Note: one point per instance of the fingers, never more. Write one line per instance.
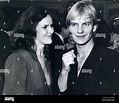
(68, 58)
(72, 51)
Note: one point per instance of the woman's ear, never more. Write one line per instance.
(69, 29)
(95, 27)
(31, 23)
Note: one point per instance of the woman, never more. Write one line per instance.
(28, 68)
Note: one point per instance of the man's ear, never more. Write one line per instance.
(95, 27)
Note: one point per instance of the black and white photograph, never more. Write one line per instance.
(59, 49)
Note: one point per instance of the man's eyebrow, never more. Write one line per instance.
(72, 22)
(88, 20)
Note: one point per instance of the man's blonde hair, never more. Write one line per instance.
(80, 8)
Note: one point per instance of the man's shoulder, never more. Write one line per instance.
(110, 58)
(107, 50)
(107, 53)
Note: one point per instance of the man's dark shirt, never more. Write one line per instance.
(99, 74)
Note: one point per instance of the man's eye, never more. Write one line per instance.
(73, 24)
(87, 24)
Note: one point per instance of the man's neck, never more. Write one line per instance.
(84, 50)
(83, 53)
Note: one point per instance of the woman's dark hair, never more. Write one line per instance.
(24, 33)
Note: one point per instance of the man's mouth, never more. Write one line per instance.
(80, 36)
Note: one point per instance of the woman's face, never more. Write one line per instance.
(44, 30)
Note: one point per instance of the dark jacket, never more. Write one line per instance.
(56, 47)
(4, 52)
(25, 76)
(99, 74)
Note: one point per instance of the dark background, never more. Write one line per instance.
(107, 9)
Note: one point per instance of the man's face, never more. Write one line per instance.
(81, 29)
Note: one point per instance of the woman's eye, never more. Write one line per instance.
(117, 41)
(44, 27)
(52, 25)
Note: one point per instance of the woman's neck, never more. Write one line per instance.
(39, 48)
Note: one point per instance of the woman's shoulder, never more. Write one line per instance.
(20, 53)
(16, 62)
(23, 52)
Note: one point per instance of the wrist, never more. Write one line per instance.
(65, 70)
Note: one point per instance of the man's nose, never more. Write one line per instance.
(80, 29)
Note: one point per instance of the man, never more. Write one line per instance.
(87, 69)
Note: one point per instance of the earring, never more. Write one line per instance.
(31, 22)
(45, 11)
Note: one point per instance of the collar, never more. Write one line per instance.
(92, 53)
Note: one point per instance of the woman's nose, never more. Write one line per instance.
(50, 30)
